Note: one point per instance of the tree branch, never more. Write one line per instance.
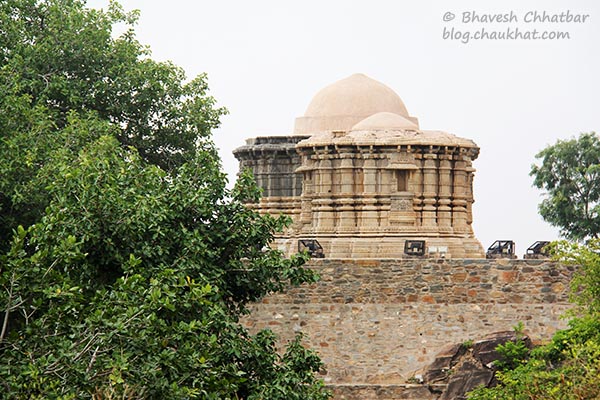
(8, 308)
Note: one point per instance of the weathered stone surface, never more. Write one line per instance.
(467, 378)
(273, 161)
(465, 366)
(364, 181)
(362, 177)
(437, 371)
(378, 321)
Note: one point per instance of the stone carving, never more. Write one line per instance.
(361, 176)
(404, 205)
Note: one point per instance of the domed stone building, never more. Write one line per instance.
(359, 176)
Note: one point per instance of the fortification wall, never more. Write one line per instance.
(380, 321)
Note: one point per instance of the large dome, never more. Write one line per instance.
(357, 95)
(342, 104)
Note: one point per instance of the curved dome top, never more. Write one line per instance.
(344, 103)
(385, 121)
(357, 95)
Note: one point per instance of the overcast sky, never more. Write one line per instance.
(266, 59)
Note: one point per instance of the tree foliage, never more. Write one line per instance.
(58, 61)
(144, 300)
(570, 175)
(126, 263)
(565, 369)
(512, 354)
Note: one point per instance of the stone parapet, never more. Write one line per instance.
(377, 245)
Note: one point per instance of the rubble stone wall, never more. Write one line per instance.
(379, 322)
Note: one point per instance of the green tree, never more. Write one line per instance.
(126, 263)
(133, 282)
(570, 175)
(59, 60)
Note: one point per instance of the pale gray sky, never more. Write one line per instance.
(266, 59)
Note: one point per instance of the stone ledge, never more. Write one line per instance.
(385, 391)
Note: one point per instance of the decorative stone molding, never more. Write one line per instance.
(363, 178)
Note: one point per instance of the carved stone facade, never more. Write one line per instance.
(273, 162)
(361, 177)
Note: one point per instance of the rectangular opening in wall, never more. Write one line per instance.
(402, 180)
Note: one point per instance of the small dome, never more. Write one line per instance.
(344, 103)
(385, 121)
(358, 96)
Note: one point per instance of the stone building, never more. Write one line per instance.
(360, 176)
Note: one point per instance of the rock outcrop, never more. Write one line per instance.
(465, 366)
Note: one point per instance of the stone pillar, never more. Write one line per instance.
(307, 174)
(370, 175)
(273, 178)
(444, 214)
(346, 171)
(430, 188)
(385, 189)
(469, 195)
(415, 185)
(459, 196)
(385, 181)
(254, 166)
(369, 220)
(323, 202)
(260, 174)
(345, 210)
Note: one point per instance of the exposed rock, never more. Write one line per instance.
(384, 392)
(468, 376)
(437, 371)
(465, 366)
